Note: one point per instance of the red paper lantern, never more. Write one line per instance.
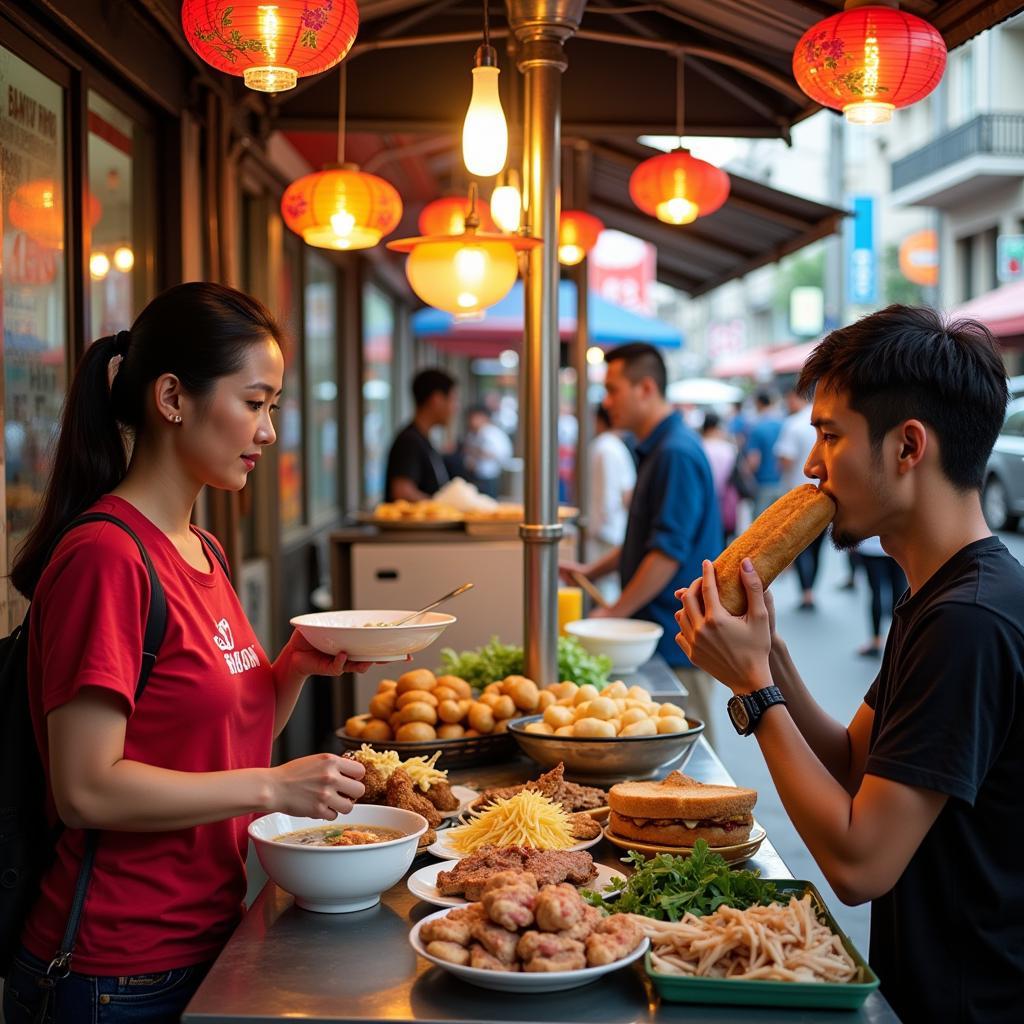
(868, 61)
(271, 45)
(448, 216)
(577, 235)
(37, 208)
(341, 208)
(677, 188)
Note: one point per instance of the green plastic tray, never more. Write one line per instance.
(803, 994)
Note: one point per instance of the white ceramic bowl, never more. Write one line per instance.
(332, 632)
(338, 879)
(516, 981)
(628, 642)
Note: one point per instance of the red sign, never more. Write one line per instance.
(622, 270)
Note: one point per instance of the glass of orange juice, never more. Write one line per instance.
(570, 606)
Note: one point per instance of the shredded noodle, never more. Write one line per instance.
(526, 819)
(420, 769)
(768, 943)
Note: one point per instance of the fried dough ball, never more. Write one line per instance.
(557, 716)
(415, 732)
(418, 712)
(645, 727)
(382, 704)
(593, 727)
(671, 723)
(460, 686)
(416, 696)
(450, 731)
(481, 717)
(504, 707)
(417, 679)
(450, 711)
(523, 692)
(540, 727)
(354, 726)
(443, 693)
(544, 700)
(376, 731)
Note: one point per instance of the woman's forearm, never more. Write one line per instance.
(134, 797)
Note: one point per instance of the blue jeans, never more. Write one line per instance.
(157, 998)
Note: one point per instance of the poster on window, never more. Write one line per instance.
(33, 308)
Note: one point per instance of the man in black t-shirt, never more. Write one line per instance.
(415, 468)
(918, 804)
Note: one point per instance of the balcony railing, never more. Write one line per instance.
(991, 134)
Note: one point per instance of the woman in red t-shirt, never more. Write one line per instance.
(173, 781)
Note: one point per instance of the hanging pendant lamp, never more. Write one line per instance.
(465, 272)
(447, 216)
(869, 60)
(37, 209)
(271, 45)
(341, 207)
(676, 187)
(485, 131)
(577, 235)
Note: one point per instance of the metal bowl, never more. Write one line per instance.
(607, 761)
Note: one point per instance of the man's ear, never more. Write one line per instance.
(913, 443)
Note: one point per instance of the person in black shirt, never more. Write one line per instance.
(415, 468)
(918, 804)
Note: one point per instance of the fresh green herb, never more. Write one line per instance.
(667, 886)
(495, 660)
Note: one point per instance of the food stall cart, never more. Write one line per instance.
(286, 963)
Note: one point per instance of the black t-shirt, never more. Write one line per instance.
(413, 456)
(948, 940)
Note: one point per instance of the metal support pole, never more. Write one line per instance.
(580, 157)
(541, 26)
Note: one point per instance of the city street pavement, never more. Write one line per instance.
(823, 644)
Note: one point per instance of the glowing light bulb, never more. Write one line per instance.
(470, 265)
(270, 77)
(677, 210)
(124, 258)
(484, 132)
(99, 265)
(868, 112)
(595, 355)
(570, 255)
(507, 207)
(342, 223)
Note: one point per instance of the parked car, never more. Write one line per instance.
(1003, 495)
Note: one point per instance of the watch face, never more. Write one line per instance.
(738, 714)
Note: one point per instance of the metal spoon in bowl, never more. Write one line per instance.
(434, 604)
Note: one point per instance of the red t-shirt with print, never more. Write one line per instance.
(157, 900)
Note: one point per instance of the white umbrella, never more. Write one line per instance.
(703, 391)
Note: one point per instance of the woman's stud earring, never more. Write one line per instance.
(177, 419)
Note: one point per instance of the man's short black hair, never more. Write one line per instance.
(763, 399)
(711, 421)
(905, 362)
(429, 382)
(642, 360)
(478, 410)
(603, 417)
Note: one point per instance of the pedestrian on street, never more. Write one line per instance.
(794, 444)
(487, 450)
(674, 521)
(722, 455)
(917, 803)
(612, 479)
(887, 583)
(759, 453)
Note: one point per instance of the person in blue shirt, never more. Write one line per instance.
(760, 454)
(674, 519)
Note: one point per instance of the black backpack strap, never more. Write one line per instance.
(156, 626)
(214, 550)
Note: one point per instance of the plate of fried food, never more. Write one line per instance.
(414, 784)
(524, 937)
(573, 797)
(526, 819)
(413, 515)
(445, 884)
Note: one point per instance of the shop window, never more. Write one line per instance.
(119, 214)
(32, 161)
(321, 352)
(291, 464)
(378, 402)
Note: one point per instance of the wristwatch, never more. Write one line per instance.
(745, 710)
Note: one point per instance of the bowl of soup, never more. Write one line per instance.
(335, 867)
(370, 635)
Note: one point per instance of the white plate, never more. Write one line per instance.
(503, 981)
(352, 632)
(465, 796)
(423, 883)
(443, 847)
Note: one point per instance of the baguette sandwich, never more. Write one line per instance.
(679, 810)
(772, 541)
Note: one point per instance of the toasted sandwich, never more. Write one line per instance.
(679, 810)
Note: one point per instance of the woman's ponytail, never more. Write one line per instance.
(90, 459)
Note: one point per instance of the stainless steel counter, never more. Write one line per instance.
(283, 962)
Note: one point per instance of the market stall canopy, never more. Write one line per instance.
(502, 325)
(762, 363)
(1001, 311)
(621, 77)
